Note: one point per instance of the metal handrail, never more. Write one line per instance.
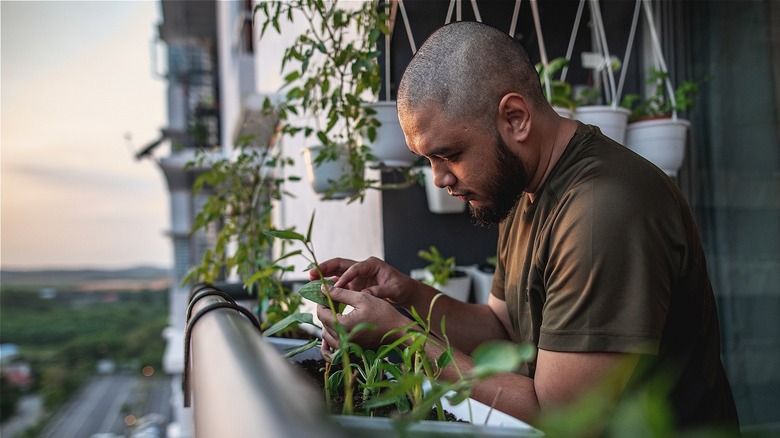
(241, 386)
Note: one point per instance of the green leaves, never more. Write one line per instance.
(312, 291)
(327, 70)
(500, 357)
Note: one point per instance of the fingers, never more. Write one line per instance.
(365, 270)
(332, 267)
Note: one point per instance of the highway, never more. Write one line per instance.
(108, 404)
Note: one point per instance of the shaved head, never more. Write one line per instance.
(466, 68)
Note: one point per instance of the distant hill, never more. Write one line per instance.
(78, 277)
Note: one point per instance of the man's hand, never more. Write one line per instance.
(367, 308)
(372, 275)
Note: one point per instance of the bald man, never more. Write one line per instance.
(600, 264)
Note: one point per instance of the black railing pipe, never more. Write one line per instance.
(238, 384)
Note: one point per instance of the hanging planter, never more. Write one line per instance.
(439, 200)
(611, 120)
(323, 175)
(389, 148)
(661, 141)
(656, 132)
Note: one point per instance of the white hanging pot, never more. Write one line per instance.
(458, 286)
(482, 276)
(439, 200)
(661, 141)
(566, 113)
(611, 120)
(389, 148)
(322, 177)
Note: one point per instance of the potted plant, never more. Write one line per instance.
(482, 277)
(558, 92)
(654, 130)
(336, 81)
(238, 211)
(443, 274)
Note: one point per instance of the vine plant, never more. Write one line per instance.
(335, 75)
(238, 210)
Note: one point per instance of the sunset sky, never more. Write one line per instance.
(79, 96)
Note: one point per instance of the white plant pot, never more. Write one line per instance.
(564, 112)
(439, 200)
(612, 121)
(660, 141)
(482, 282)
(389, 148)
(456, 287)
(321, 177)
(482, 420)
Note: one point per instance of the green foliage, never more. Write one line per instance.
(242, 190)
(560, 92)
(657, 104)
(441, 268)
(63, 338)
(334, 72)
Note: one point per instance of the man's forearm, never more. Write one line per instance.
(510, 393)
(466, 325)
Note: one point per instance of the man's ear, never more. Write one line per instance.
(514, 118)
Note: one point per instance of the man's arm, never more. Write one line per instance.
(560, 379)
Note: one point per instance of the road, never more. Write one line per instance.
(105, 402)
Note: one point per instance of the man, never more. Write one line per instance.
(599, 261)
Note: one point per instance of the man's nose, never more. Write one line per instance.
(442, 177)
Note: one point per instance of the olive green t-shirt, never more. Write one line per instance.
(608, 259)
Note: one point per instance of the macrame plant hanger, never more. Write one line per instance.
(396, 5)
(658, 57)
(611, 92)
(456, 5)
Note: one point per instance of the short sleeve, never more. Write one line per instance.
(611, 254)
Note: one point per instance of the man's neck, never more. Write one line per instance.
(552, 150)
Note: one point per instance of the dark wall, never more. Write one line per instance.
(408, 225)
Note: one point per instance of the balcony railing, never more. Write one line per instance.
(238, 384)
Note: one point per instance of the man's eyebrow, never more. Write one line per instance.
(440, 150)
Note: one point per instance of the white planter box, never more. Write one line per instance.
(482, 421)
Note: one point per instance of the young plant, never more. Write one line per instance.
(319, 292)
(238, 210)
(440, 268)
(419, 378)
(557, 92)
(657, 104)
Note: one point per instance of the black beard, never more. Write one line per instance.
(506, 186)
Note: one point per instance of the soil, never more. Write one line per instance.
(314, 370)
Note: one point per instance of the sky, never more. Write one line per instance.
(78, 96)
